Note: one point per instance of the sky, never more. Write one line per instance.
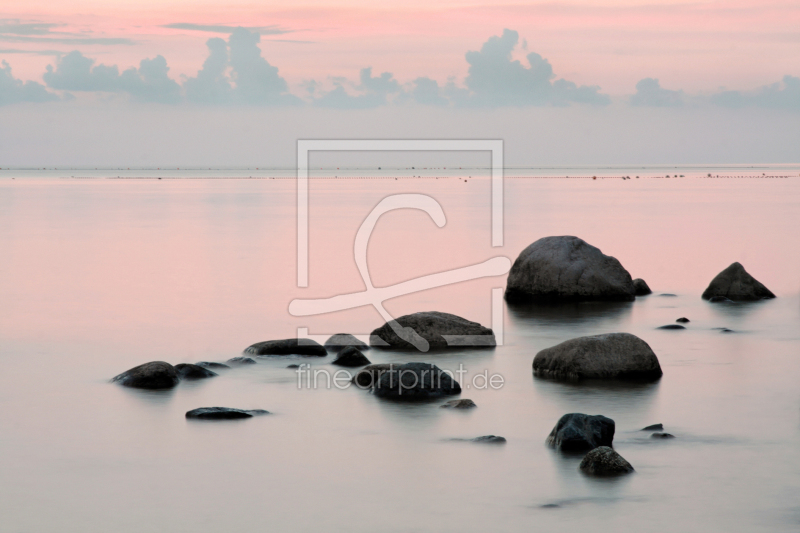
(342, 67)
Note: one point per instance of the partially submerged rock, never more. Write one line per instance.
(368, 377)
(640, 287)
(153, 375)
(659, 435)
(577, 432)
(415, 381)
(672, 326)
(682, 320)
(464, 403)
(190, 371)
(223, 413)
(489, 439)
(604, 461)
(287, 347)
(431, 330)
(735, 283)
(654, 427)
(567, 268)
(242, 360)
(608, 356)
(351, 357)
(342, 340)
(207, 364)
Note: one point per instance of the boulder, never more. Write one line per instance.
(351, 356)
(734, 283)
(464, 403)
(640, 287)
(153, 375)
(608, 356)
(342, 340)
(683, 320)
(415, 381)
(654, 427)
(578, 432)
(207, 364)
(489, 439)
(368, 377)
(604, 461)
(242, 360)
(189, 371)
(567, 269)
(672, 326)
(223, 413)
(432, 330)
(287, 347)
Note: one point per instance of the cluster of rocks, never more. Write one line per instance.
(157, 375)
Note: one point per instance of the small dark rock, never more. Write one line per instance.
(287, 347)
(190, 371)
(489, 439)
(463, 403)
(223, 413)
(342, 340)
(603, 461)
(578, 432)
(659, 435)
(241, 360)
(351, 356)
(153, 375)
(726, 330)
(207, 364)
(415, 381)
(654, 427)
(671, 326)
(293, 366)
(668, 295)
(683, 320)
(641, 288)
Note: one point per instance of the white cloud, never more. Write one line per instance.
(650, 93)
(784, 94)
(13, 90)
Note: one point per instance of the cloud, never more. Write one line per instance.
(427, 92)
(16, 31)
(17, 27)
(784, 94)
(494, 79)
(32, 52)
(222, 28)
(211, 85)
(149, 83)
(13, 90)
(650, 93)
(371, 92)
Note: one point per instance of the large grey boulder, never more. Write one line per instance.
(604, 461)
(339, 341)
(567, 268)
(734, 283)
(415, 381)
(431, 330)
(578, 432)
(223, 413)
(608, 356)
(152, 375)
(287, 347)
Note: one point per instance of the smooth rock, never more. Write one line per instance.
(734, 283)
(190, 371)
(608, 356)
(640, 287)
(654, 427)
(463, 403)
(368, 377)
(241, 360)
(659, 435)
(415, 381)
(207, 364)
(671, 326)
(293, 366)
(287, 347)
(153, 375)
(604, 461)
(578, 432)
(433, 327)
(668, 295)
(223, 413)
(683, 320)
(351, 356)
(489, 439)
(567, 268)
(342, 340)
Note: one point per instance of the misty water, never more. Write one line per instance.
(99, 275)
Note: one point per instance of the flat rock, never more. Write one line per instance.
(342, 340)
(682, 320)
(152, 375)
(671, 326)
(351, 357)
(489, 439)
(242, 360)
(659, 435)
(463, 403)
(734, 283)
(608, 356)
(190, 371)
(287, 347)
(668, 295)
(368, 377)
(432, 330)
(567, 268)
(640, 287)
(654, 427)
(207, 364)
(223, 413)
(415, 381)
(603, 461)
(579, 432)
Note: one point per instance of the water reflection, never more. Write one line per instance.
(569, 314)
(598, 396)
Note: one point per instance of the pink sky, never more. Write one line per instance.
(694, 46)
